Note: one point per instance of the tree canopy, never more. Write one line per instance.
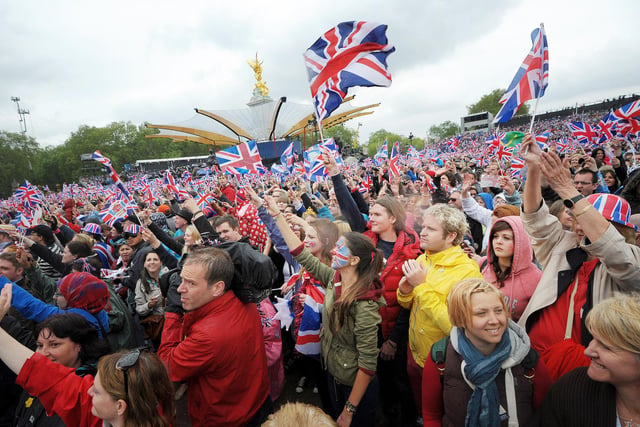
(444, 130)
(122, 142)
(490, 102)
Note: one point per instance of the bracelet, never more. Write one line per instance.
(350, 407)
(276, 215)
(582, 211)
(392, 344)
(197, 212)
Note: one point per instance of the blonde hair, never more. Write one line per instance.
(299, 415)
(343, 226)
(451, 219)
(459, 300)
(617, 320)
(84, 238)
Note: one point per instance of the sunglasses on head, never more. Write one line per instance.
(128, 235)
(125, 362)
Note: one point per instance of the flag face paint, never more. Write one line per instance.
(340, 255)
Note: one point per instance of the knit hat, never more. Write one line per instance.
(160, 220)
(92, 228)
(85, 291)
(133, 229)
(185, 214)
(612, 207)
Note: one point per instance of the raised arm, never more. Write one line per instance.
(593, 224)
(12, 353)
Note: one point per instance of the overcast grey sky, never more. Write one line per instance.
(76, 63)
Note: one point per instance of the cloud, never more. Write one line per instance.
(75, 63)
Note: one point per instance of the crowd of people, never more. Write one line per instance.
(450, 294)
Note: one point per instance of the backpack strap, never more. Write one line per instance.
(484, 264)
(439, 354)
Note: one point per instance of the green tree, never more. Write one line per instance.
(444, 130)
(377, 138)
(490, 102)
(19, 154)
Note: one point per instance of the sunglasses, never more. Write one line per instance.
(125, 362)
(128, 235)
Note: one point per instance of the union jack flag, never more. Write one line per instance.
(383, 152)
(102, 159)
(541, 139)
(394, 167)
(516, 166)
(313, 163)
(628, 111)
(607, 127)
(186, 178)
(180, 194)
(561, 145)
(531, 79)
(584, 133)
(112, 213)
(241, 159)
(351, 54)
(502, 152)
(287, 157)
(29, 195)
(204, 200)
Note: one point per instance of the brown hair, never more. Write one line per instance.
(501, 276)
(506, 210)
(395, 209)
(328, 236)
(150, 396)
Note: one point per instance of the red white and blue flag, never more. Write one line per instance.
(180, 194)
(531, 79)
(383, 152)
(97, 156)
(114, 212)
(313, 163)
(583, 132)
(351, 54)
(394, 166)
(628, 111)
(287, 158)
(308, 341)
(28, 195)
(241, 159)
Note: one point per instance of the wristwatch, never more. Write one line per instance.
(572, 201)
(350, 407)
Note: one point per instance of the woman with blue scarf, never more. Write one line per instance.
(486, 365)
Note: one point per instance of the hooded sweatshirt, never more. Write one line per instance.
(525, 275)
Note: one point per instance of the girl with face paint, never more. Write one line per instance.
(320, 236)
(353, 297)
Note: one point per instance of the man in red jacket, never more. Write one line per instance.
(217, 347)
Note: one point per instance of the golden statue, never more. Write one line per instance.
(260, 86)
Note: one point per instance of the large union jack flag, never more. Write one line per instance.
(628, 111)
(350, 54)
(241, 159)
(531, 79)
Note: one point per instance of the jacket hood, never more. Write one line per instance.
(374, 292)
(448, 257)
(522, 249)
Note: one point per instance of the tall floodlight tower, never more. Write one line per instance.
(21, 115)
